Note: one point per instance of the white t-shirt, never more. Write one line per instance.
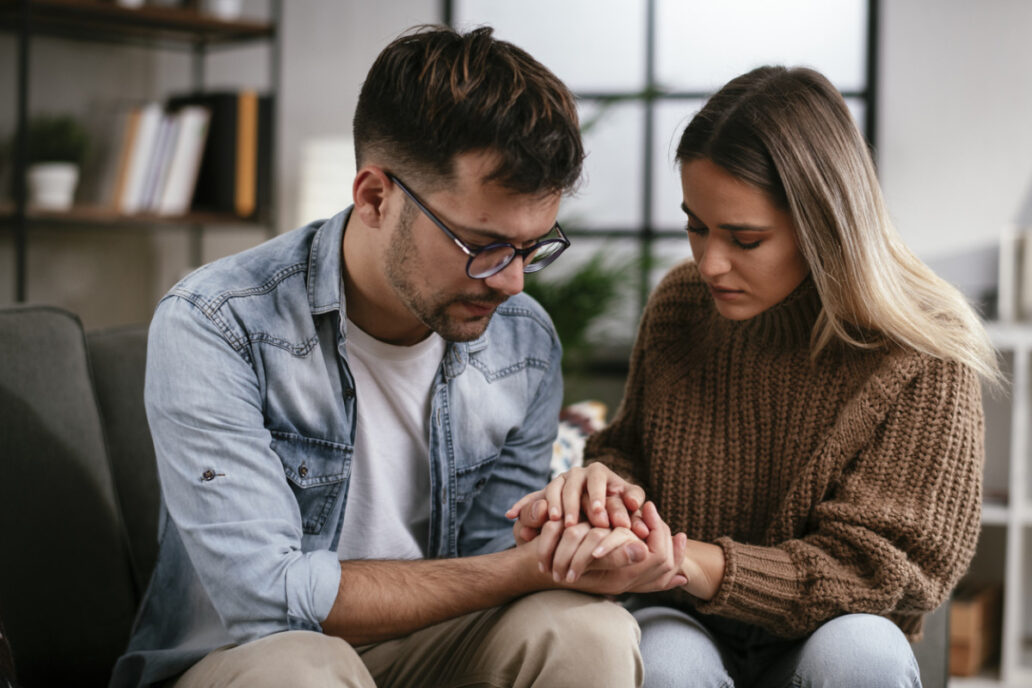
(387, 515)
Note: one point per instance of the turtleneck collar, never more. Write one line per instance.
(788, 324)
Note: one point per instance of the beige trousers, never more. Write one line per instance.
(549, 639)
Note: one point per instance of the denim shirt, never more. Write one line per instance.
(252, 405)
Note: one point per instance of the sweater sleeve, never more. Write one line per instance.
(896, 530)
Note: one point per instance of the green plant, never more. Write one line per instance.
(576, 299)
(56, 138)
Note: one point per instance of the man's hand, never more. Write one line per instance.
(613, 561)
(605, 498)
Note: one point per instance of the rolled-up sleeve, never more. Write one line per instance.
(222, 483)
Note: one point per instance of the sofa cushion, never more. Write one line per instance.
(67, 594)
(119, 358)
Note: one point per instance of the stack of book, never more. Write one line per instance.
(202, 152)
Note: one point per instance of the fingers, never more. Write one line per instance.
(680, 546)
(638, 526)
(547, 541)
(534, 515)
(599, 519)
(596, 484)
(572, 539)
(605, 499)
(605, 549)
(650, 516)
(571, 497)
(554, 497)
(617, 510)
(620, 547)
(516, 508)
(526, 534)
(633, 496)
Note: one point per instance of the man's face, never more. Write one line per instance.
(427, 270)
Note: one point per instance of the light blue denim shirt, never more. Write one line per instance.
(252, 408)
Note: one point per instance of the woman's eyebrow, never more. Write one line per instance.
(729, 226)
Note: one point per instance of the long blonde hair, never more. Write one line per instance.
(790, 133)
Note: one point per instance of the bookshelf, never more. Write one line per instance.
(176, 28)
(1007, 511)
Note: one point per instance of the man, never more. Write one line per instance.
(343, 414)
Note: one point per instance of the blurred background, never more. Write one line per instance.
(941, 88)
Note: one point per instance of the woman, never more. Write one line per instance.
(803, 403)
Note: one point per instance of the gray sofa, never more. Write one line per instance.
(78, 494)
(79, 500)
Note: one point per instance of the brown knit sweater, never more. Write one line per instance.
(847, 484)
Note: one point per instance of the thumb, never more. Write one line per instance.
(636, 551)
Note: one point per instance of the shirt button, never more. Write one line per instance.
(302, 471)
(349, 393)
(208, 475)
(480, 483)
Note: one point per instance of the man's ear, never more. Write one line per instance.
(369, 191)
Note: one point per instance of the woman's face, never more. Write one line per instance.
(744, 245)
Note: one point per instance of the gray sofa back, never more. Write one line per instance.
(69, 585)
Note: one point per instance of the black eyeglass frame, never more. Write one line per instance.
(474, 251)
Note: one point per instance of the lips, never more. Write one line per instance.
(724, 292)
(480, 309)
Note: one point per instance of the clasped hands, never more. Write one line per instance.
(593, 530)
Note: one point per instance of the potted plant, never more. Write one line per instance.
(56, 148)
(580, 297)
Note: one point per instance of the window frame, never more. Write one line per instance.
(646, 233)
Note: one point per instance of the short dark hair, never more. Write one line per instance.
(433, 94)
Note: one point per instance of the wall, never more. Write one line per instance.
(955, 151)
(114, 276)
(955, 128)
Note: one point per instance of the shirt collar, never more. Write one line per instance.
(324, 265)
(326, 287)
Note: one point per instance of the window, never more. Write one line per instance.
(640, 69)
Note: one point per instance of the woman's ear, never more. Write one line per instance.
(369, 191)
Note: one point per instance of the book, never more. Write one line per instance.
(144, 143)
(130, 125)
(157, 166)
(181, 178)
(234, 177)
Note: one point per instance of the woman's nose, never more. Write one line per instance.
(714, 261)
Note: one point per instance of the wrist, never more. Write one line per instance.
(703, 566)
(528, 576)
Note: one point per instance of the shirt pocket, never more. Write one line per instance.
(471, 480)
(316, 471)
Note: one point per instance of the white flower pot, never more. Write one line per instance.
(52, 185)
(227, 10)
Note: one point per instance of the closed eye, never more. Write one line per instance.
(699, 229)
(696, 227)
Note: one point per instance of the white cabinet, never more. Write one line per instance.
(1005, 547)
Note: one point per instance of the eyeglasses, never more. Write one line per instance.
(485, 261)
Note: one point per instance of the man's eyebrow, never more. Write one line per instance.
(729, 226)
(489, 236)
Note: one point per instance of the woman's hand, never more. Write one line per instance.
(613, 561)
(606, 499)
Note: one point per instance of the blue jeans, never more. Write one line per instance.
(857, 650)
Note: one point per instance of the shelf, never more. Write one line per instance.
(1010, 335)
(102, 216)
(995, 514)
(991, 679)
(975, 682)
(109, 22)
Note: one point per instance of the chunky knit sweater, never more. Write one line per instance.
(850, 483)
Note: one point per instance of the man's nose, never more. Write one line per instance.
(509, 280)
